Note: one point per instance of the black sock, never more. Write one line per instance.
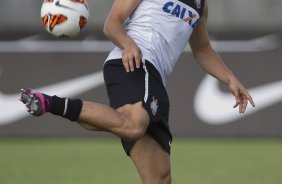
(73, 110)
(65, 107)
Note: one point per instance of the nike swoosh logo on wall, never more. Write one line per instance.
(214, 106)
(12, 110)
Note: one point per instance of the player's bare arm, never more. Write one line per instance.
(114, 30)
(211, 62)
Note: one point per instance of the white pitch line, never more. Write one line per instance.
(265, 43)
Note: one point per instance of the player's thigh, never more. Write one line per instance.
(151, 161)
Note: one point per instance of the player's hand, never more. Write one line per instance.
(131, 57)
(241, 95)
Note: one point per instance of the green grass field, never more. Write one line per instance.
(102, 161)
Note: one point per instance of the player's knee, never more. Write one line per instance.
(134, 123)
(165, 177)
(161, 177)
(134, 130)
(136, 133)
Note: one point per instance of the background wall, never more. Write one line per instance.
(224, 16)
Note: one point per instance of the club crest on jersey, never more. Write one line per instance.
(181, 12)
(198, 3)
(154, 106)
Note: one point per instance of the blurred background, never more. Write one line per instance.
(255, 16)
(213, 143)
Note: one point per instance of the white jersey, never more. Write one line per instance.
(161, 29)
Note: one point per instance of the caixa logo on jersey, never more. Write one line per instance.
(181, 12)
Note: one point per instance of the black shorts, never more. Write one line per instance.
(144, 84)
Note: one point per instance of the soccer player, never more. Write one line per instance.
(150, 35)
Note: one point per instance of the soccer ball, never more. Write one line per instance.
(64, 18)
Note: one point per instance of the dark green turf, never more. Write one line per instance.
(102, 161)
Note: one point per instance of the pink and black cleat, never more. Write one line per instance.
(34, 101)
